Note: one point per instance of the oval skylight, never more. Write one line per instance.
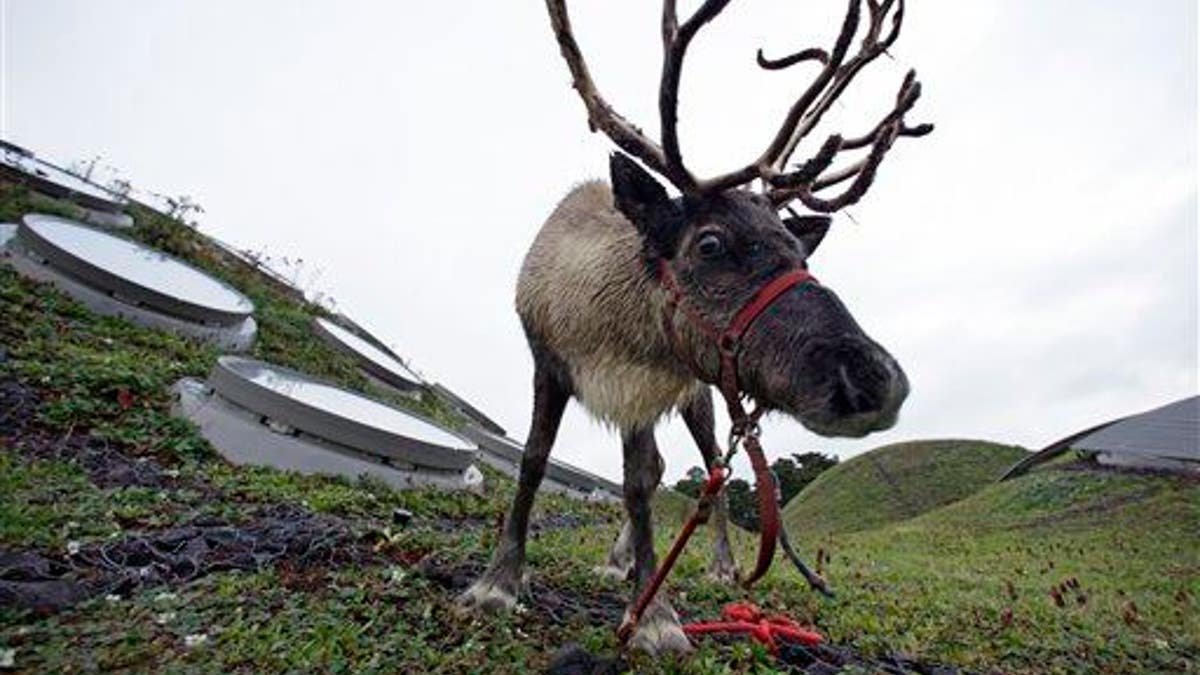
(132, 271)
(373, 359)
(45, 178)
(337, 414)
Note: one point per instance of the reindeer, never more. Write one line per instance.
(621, 289)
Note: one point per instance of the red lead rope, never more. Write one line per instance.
(744, 431)
(742, 618)
(747, 618)
(708, 498)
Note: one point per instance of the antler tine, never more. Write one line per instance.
(905, 130)
(802, 183)
(810, 54)
(676, 40)
(871, 48)
(601, 115)
(775, 156)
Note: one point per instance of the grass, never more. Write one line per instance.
(975, 583)
(967, 583)
(896, 482)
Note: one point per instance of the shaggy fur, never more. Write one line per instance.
(606, 323)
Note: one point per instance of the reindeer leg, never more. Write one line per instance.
(498, 587)
(698, 416)
(658, 631)
(620, 557)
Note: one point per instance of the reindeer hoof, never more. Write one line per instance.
(723, 573)
(488, 597)
(611, 572)
(659, 632)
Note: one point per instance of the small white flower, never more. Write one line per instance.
(164, 618)
(8, 659)
(72, 525)
(171, 473)
(112, 597)
(195, 640)
(72, 548)
(396, 575)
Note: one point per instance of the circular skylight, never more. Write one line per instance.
(57, 183)
(336, 414)
(134, 272)
(373, 359)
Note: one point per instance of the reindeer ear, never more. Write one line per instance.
(810, 230)
(644, 202)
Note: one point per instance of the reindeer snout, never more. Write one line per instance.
(862, 385)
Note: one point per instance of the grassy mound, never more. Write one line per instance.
(896, 482)
(1071, 568)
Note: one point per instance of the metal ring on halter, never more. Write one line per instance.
(753, 430)
(735, 439)
(749, 428)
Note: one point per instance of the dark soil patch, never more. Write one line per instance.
(559, 521)
(298, 540)
(17, 405)
(547, 523)
(105, 465)
(826, 659)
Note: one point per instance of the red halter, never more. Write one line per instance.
(728, 341)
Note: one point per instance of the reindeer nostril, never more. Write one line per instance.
(856, 390)
(851, 392)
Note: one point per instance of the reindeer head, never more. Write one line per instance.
(718, 245)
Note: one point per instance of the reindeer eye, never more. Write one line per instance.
(710, 246)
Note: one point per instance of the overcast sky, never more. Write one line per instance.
(1033, 264)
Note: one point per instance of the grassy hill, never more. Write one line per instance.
(896, 482)
(168, 559)
(1072, 568)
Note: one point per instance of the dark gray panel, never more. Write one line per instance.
(1172, 432)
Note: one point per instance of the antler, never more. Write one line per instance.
(666, 160)
(600, 114)
(836, 75)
